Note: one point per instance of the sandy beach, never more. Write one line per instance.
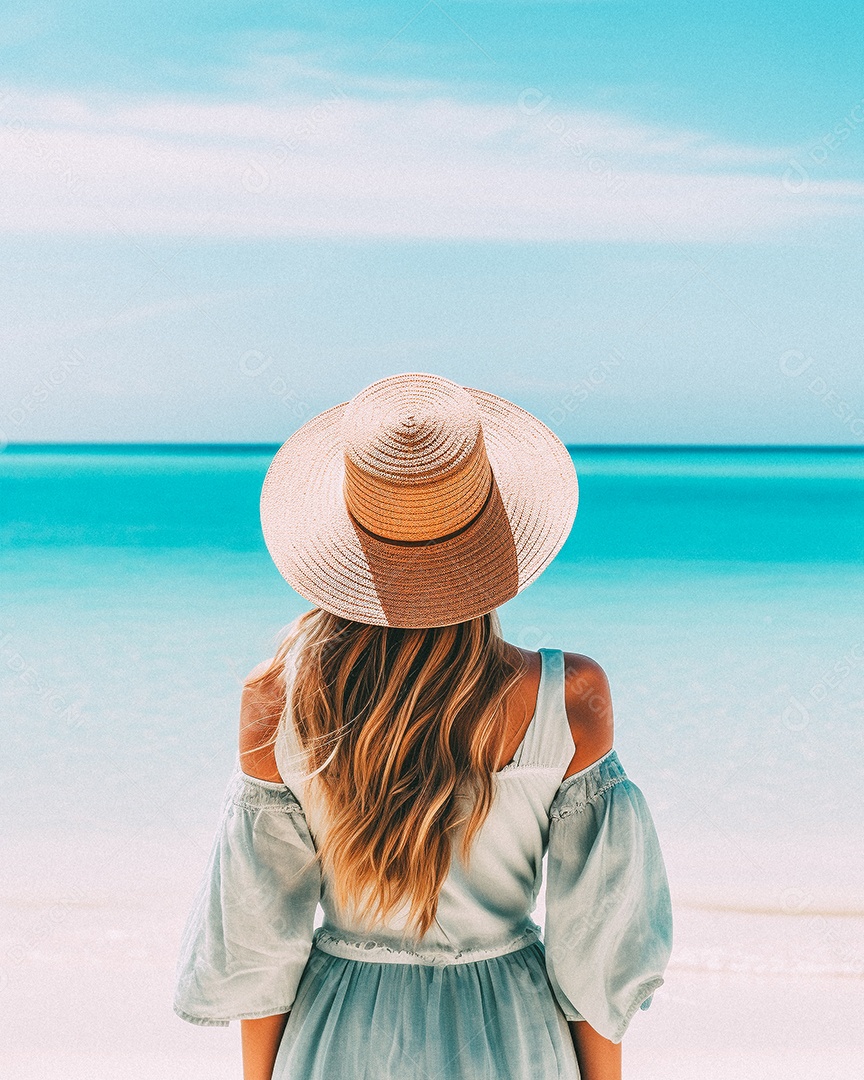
(88, 980)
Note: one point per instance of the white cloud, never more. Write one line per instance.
(273, 71)
(340, 165)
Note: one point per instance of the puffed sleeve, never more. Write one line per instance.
(608, 930)
(248, 934)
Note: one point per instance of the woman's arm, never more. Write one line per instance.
(589, 710)
(260, 1040)
(599, 1059)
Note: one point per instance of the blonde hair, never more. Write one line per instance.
(401, 725)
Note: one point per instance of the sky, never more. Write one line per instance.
(641, 221)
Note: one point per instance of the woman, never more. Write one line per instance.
(404, 767)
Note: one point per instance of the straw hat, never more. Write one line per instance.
(417, 503)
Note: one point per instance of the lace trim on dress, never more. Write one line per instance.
(580, 790)
(251, 793)
(379, 952)
(512, 767)
(593, 765)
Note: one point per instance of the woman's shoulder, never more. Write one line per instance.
(588, 701)
(261, 703)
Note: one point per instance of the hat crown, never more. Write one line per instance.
(416, 467)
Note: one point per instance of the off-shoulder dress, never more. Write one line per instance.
(487, 993)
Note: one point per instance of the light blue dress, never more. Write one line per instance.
(486, 995)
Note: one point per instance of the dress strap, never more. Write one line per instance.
(548, 742)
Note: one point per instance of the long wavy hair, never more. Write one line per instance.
(403, 727)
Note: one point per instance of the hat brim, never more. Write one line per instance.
(333, 563)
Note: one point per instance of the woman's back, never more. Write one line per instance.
(484, 906)
(483, 995)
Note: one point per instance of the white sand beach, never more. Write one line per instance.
(87, 981)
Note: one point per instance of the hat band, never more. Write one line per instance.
(434, 540)
(418, 507)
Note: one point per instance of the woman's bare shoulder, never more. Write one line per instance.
(261, 704)
(589, 709)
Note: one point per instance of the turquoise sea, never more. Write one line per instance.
(721, 589)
